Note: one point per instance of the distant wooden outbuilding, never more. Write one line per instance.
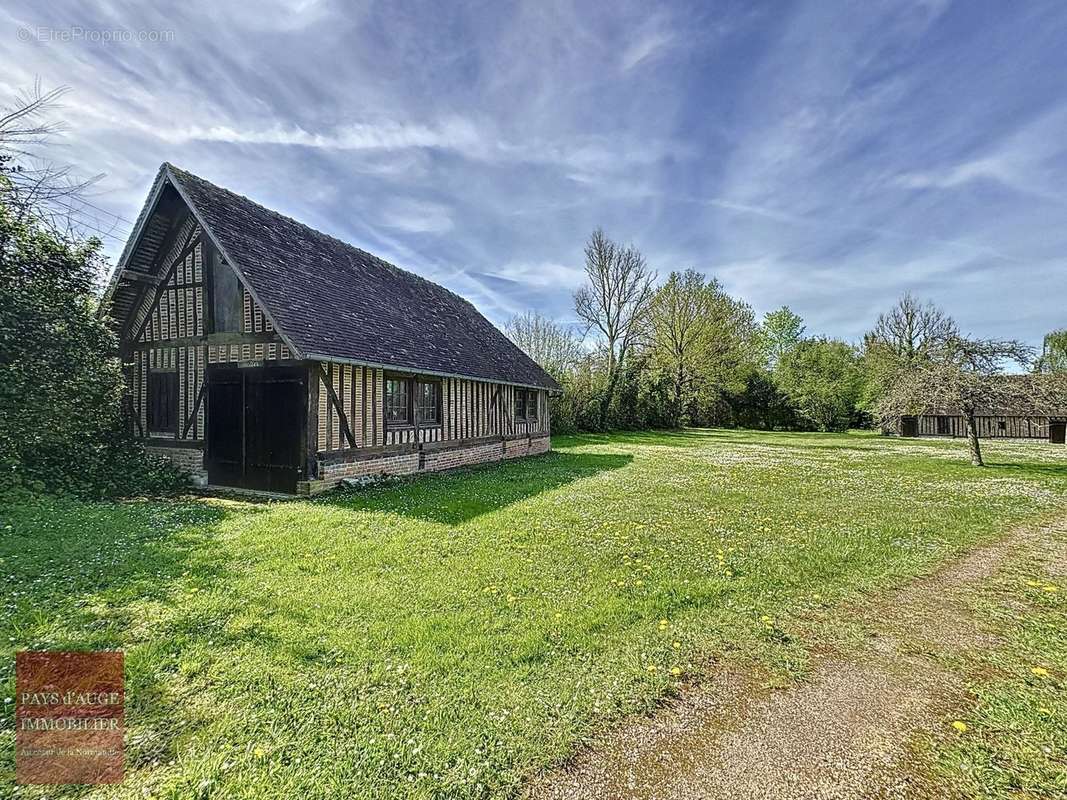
(1000, 423)
(262, 354)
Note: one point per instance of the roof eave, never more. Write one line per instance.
(134, 239)
(421, 371)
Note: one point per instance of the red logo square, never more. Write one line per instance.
(69, 717)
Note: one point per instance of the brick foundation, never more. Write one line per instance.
(188, 459)
(412, 459)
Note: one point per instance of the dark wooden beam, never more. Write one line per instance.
(312, 432)
(336, 403)
(267, 337)
(144, 277)
(196, 407)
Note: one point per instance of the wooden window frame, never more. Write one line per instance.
(155, 429)
(412, 384)
(436, 383)
(407, 381)
(532, 399)
(526, 405)
(942, 425)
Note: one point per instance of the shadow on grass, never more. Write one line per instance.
(81, 576)
(1032, 469)
(455, 497)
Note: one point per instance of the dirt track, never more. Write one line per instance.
(842, 733)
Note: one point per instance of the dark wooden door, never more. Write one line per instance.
(1057, 432)
(225, 428)
(256, 419)
(909, 426)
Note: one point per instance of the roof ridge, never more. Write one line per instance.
(314, 231)
(334, 301)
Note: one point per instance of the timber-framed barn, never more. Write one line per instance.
(1000, 423)
(262, 354)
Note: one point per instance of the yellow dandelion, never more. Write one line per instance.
(960, 726)
(663, 623)
(1046, 711)
(1051, 588)
(1033, 583)
(676, 671)
(559, 615)
(677, 645)
(512, 598)
(651, 668)
(766, 620)
(259, 752)
(639, 583)
(1040, 672)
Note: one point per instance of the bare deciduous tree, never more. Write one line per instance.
(963, 376)
(32, 185)
(555, 347)
(615, 302)
(911, 328)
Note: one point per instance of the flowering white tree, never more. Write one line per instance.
(965, 375)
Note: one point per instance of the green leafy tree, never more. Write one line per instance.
(61, 424)
(778, 334)
(681, 312)
(1054, 353)
(823, 379)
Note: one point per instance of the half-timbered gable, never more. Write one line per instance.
(260, 353)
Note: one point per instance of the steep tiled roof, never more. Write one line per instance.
(334, 301)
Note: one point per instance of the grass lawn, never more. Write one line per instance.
(1013, 737)
(446, 637)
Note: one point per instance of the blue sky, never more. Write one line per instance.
(825, 155)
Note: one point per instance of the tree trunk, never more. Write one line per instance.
(678, 380)
(972, 440)
(605, 401)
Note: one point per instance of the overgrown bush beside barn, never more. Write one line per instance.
(61, 422)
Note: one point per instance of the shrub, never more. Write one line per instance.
(61, 426)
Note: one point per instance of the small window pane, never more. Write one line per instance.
(397, 402)
(520, 404)
(531, 406)
(426, 403)
(162, 402)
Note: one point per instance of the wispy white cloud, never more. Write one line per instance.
(544, 274)
(978, 169)
(387, 135)
(416, 216)
(647, 45)
(810, 154)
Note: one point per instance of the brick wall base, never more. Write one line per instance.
(433, 457)
(187, 459)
